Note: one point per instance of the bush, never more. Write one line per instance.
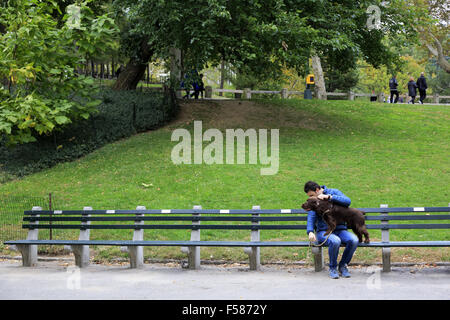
(120, 115)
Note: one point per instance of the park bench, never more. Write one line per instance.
(255, 221)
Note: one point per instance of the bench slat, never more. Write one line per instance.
(232, 211)
(409, 226)
(223, 243)
(409, 217)
(223, 227)
(164, 226)
(218, 218)
(168, 218)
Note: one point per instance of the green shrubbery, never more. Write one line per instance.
(120, 115)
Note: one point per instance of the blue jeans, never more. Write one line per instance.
(334, 242)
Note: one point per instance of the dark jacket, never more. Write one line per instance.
(412, 88)
(393, 84)
(422, 83)
(315, 222)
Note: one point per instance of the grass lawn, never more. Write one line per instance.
(375, 153)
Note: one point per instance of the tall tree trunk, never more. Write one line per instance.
(319, 79)
(434, 47)
(438, 52)
(135, 69)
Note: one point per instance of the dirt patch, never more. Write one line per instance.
(242, 114)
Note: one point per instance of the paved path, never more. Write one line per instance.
(60, 280)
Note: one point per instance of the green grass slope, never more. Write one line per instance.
(375, 153)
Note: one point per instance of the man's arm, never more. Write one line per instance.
(339, 198)
(310, 221)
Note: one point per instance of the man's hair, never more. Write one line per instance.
(311, 186)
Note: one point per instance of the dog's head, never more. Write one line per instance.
(317, 205)
(311, 204)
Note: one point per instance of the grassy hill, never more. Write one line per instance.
(375, 153)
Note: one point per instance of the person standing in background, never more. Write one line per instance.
(412, 89)
(422, 85)
(393, 84)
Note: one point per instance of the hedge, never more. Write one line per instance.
(120, 115)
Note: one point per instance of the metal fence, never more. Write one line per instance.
(11, 215)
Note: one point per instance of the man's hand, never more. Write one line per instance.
(324, 196)
(312, 237)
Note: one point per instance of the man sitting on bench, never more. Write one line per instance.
(338, 236)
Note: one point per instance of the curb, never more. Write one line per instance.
(221, 262)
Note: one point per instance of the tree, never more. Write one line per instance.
(248, 35)
(432, 27)
(342, 28)
(38, 59)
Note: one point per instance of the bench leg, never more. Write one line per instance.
(254, 253)
(136, 256)
(254, 257)
(386, 255)
(318, 258)
(29, 254)
(81, 254)
(194, 257)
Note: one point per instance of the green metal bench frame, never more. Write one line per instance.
(33, 222)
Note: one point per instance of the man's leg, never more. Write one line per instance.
(351, 243)
(422, 95)
(396, 96)
(333, 244)
(392, 96)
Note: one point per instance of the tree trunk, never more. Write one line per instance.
(135, 69)
(435, 50)
(439, 53)
(318, 78)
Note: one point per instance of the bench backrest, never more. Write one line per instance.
(257, 219)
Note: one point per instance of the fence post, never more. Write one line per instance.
(247, 93)
(436, 97)
(81, 252)
(380, 97)
(254, 252)
(351, 95)
(284, 93)
(208, 92)
(29, 252)
(386, 252)
(137, 252)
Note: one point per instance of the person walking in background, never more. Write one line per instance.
(195, 83)
(412, 89)
(422, 85)
(201, 85)
(393, 84)
(185, 84)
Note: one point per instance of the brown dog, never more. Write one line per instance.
(334, 214)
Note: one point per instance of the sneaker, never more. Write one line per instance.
(343, 271)
(334, 274)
